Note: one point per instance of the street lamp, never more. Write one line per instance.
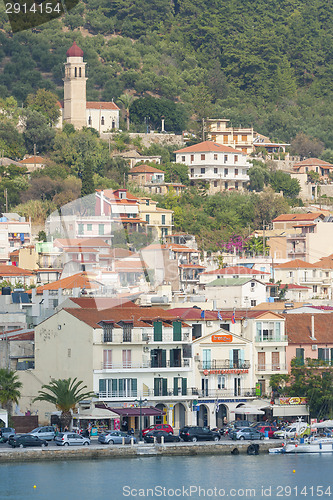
(140, 402)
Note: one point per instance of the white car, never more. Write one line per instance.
(71, 439)
(46, 432)
(299, 429)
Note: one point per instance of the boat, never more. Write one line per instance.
(312, 445)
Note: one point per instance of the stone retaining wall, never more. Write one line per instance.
(89, 453)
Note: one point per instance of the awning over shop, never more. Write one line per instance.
(95, 414)
(149, 411)
(290, 411)
(4, 417)
(247, 410)
(322, 425)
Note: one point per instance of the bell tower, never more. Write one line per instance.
(75, 88)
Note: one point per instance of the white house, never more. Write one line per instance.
(236, 292)
(223, 167)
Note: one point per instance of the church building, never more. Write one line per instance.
(103, 116)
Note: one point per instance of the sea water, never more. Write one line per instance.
(242, 476)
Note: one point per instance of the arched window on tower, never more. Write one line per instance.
(89, 120)
(113, 124)
(75, 72)
(102, 120)
(80, 72)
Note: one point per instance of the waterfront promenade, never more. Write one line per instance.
(97, 451)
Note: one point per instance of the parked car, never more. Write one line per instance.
(266, 428)
(168, 438)
(6, 433)
(240, 423)
(71, 439)
(115, 437)
(46, 432)
(246, 433)
(158, 427)
(198, 434)
(26, 440)
(298, 428)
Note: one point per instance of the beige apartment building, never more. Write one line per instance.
(235, 137)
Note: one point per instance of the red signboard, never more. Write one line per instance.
(222, 338)
(219, 372)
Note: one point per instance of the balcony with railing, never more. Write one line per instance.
(149, 364)
(192, 393)
(271, 338)
(224, 364)
(269, 368)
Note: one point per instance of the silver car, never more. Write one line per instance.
(71, 439)
(46, 432)
(115, 437)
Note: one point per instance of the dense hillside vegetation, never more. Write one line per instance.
(261, 63)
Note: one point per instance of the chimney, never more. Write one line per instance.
(312, 328)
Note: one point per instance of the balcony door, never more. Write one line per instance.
(261, 361)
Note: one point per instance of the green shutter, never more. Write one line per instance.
(164, 386)
(121, 387)
(156, 386)
(300, 355)
(177, 331)
(331, 362)
(102, 385)
(321, 354)
(114, 387)
(163, 358)
(184, 386)
(158, 331)
(172, 357)
(134, 386)
(175, 386)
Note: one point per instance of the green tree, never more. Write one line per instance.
(87, 179)
(281, 181)
(37, 132)
(65, 394)
(46, 103)
(9, 389)
(127, 101)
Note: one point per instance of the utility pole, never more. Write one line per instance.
(264, 238)
(203, 130)
(6, 197)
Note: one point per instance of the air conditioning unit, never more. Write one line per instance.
(145, 349)
(196, 358)
(186, 336)
(186, 362)
(314, 347)
(209, 323)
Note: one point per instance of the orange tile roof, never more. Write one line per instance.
(101, 105)
(145, 169)
(299, 328)
(313, 162)
(295, 264)
(140, 316)
(14, 271)
(80, 243)
(33, 159)
(129, 266)
(297, 217)
(325, 262)
(80, 280)
(208, 146)
(102, 302)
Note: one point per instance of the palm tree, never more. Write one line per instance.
(9, 388)
(64, 394)
(127, 100)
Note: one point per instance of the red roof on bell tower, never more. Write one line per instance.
(74, 51)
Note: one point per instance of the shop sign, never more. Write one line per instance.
(222, 338)
(220, 372)
(293, 401)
